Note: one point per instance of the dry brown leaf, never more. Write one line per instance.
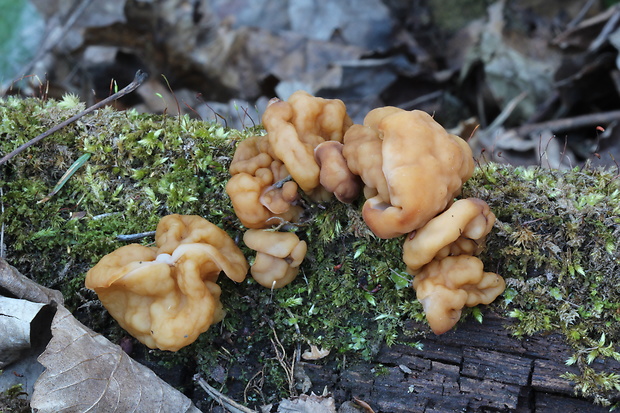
(22, 287)
(308, 404)
(315, 353)
(508, 70)
(16, 318)
(86, 372)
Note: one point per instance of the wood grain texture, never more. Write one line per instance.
(474, 368)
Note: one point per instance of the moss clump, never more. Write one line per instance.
(141, 167)
(555, 243)
(12, 400)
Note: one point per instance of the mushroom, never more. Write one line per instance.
(362, 151)
(251, 154)
(175, 230)
(297, 126)
(461, 229)
(335, 175)
(375, 116)
(256, 188)
(166, 295)
(278, 257)
(445, 286)
(280, 196)
(424, 167)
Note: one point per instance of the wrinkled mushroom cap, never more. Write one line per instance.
(297, 126)
(174, 230)
(374, 117)
(278, 256)
(362, 151)
(424, 167)
(445, 286)
(280, 196)
(335, 175)
(257, 198)
(166, 296)
(251, 154)
(461, 229)
(249, 194)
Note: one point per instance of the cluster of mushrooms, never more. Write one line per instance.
(409, 168)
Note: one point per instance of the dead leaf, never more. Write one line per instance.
(86, 372)
(308, 404)
(25, 370)
(21, 287)
(509, 71)
(16, 317)
(314, 353)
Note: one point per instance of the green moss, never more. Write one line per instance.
(555, 242)
(12, 400)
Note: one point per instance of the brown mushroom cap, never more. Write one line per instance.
(175, 230)
(280, 196)
(279, 199)
(362, 151)
(251, 154)
(166, 296)
(297, 126)
(257, 199)
(374, 117)
(245, 192)
(288, 147)
(278, 257)
(424, 167)
(445, 286)
(163, 306)
(461, 229)
(335, 175)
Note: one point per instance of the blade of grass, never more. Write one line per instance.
(67, 175)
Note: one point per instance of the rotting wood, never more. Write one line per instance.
(474, 368)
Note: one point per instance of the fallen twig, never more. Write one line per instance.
(561, 125)
(226, 402)
(134, 237)
(137, 81)
(581, 15)
(289, 371)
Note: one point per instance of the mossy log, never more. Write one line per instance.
(548, 344)
(477, 367)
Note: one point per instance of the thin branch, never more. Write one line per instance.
(507, 111)
(135, 237)
(581, 15)
(137, 81)
(227, 402)
(561, 125)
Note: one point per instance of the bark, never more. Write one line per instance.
(474, 368)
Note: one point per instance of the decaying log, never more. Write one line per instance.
(473, 368)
